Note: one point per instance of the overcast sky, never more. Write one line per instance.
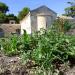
(16, 5)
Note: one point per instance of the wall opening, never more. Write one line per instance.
(1, 32)
(18, 31)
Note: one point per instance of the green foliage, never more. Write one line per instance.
(62, 25)
(23, 13)
(11, 17)
(6, 18)
(3, 7)
(2, 17)
(10, 47)
(70, 11)
(52, 48)
(67, 25)
(47, 48)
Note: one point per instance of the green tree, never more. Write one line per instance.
(2, 17)
(3, 7)
(70, 11)
(11, 17)
(23, 13)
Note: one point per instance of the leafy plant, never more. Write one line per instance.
(10, 46)
(62, 25)
(47, 48)
(51, 50)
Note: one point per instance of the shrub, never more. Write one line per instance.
(51, 50)
(48, 49)
(10, 46)
(62, 25)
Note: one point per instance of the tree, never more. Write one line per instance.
(2, 17)
(11, 17)
(3, 10)
(3, 7)
(23, 13)
(70, 11)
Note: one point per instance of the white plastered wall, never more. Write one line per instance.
(26, 24)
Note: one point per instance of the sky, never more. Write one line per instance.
(15, 6)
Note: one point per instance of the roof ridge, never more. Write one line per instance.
(42, 7)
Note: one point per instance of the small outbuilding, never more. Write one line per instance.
(38, 18)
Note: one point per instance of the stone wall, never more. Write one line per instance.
(8, 29)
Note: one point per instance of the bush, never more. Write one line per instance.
(48, 49)
(62, 25)
(9, 46)
(51, 50)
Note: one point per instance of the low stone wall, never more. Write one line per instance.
(7, 29)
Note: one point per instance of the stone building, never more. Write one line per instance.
(38, 18)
